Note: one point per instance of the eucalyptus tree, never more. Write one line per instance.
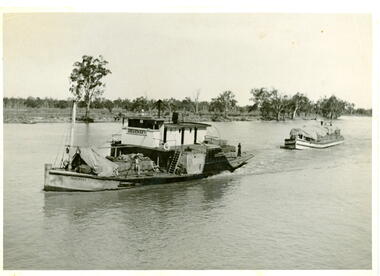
(274, 105)
(224, 102)
(108, 104)
(278, 103)
(262, 101)
(259, 97)
(86, 79)
(188, 105)
(126, 104)
(140, 104)
(204, 106)
(118, 103)
(332, 107)
(350, 108)
(299, 102)
(171, 105)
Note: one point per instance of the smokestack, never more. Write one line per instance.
(175, 118)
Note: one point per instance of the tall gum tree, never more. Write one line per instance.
(224, 102)
(86, 79)
(297, 102)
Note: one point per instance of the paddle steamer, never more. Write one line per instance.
(147, 151)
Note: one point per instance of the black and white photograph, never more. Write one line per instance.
(187, 141)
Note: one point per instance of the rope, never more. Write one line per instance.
(63, 142)
(216, 130)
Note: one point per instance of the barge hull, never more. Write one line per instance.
(300, 144)
(62, 180)
(58, 180)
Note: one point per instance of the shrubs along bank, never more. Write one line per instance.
(267, 105)
(87, 86)
(58, 115)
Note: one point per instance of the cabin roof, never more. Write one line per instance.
(147, 118)
(186, 124)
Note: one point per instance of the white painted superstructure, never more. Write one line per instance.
(141, 137)
(154, 133)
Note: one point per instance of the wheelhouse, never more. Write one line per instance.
(155, 133)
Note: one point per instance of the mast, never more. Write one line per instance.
(73, 116)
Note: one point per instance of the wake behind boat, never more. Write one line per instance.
(148, 151)
(319, 136)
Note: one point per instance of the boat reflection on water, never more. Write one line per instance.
(205, 193)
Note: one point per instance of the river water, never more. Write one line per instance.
(286, 209)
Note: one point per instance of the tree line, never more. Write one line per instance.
(269, 104)
(273, 105)
(87, 87)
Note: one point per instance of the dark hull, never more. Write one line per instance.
(113, 183)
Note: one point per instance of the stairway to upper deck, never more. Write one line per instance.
(174, 163)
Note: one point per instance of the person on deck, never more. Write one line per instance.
(66, 159)
(137, 165)
(239, 150)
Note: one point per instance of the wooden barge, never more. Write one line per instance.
(314, 137)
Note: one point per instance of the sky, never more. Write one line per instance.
(176, 55)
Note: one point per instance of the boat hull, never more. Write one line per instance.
(58, 180)
(299, 144)
(62, 180)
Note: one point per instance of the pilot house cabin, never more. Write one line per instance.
(154, 133)
(171, 146)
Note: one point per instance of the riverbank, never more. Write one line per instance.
(49, 115)
(58, 115)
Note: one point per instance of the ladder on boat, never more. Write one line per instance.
(174, 163)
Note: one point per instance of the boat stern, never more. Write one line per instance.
(47, 175)
(290, 143)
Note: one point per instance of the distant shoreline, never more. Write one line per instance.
(57, 115)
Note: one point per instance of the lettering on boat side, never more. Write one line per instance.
(77, 178)
(137, 131)
(126, 184)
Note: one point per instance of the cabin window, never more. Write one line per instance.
(150, 124)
